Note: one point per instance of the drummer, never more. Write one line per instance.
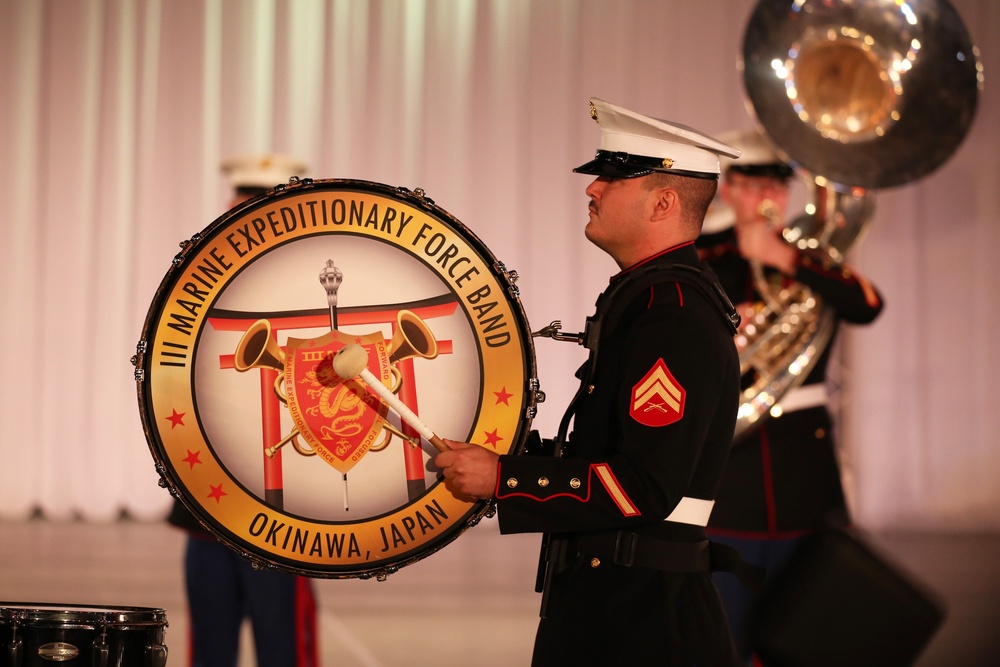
(624, 504)
(223, 589)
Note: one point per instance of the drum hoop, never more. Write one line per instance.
(144, 364)
(83, 616)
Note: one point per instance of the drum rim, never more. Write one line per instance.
(82, 613)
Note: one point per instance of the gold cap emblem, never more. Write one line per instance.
(593, 112)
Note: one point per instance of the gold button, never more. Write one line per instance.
(543, 482)
(590, 389)
(820, 433)
(574, 483)
(512, 483)
(595, 562)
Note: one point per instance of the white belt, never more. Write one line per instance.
(694, 511)
(800, 398)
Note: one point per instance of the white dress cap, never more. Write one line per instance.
(261, 171)
(635, 145)
(757, 155)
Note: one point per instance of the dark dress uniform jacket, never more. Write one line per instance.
(654, 426)
(782, 478)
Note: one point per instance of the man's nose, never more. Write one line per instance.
(595, 188)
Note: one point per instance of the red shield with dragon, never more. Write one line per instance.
(339, 419)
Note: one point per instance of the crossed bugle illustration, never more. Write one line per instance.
(339, 387)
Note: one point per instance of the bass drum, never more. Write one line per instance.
(248, 423)
(37, 635)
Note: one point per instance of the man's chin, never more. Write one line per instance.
(595, 238)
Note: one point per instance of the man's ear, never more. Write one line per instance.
(666, 202)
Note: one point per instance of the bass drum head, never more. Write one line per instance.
(248, 422)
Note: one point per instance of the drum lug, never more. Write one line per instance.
(418, 193)
(255, 563)
(100, 651)
(140, 350)
(421, 194)
(13, 650)
(293, 181)
(510, 277)
(157, 654)
(100, 656)
(163, 483)
(184, 245)
(535, 396)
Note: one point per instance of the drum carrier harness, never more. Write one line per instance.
(628, 548)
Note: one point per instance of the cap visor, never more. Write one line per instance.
(599, 167)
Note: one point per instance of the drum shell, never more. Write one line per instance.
(42, 634)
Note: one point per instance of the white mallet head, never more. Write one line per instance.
(350, 360)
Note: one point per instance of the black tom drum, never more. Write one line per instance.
(40, 634)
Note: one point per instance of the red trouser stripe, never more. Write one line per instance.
(306, 643)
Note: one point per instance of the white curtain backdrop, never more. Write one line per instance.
(115, 114)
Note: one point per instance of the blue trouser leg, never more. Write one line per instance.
(739, 601)
(215, 603)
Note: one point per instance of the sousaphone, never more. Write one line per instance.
(856, 96)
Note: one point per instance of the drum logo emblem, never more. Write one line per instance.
(338, 420)
(58, 651)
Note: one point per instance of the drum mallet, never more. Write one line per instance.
(351, 361)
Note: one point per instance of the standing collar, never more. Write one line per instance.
(682, 253)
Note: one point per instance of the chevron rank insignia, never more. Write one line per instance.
(658, 399)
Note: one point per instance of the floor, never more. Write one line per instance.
(471, 602)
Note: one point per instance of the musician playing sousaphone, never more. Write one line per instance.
(782, 481)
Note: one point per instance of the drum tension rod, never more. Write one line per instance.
(553, 331)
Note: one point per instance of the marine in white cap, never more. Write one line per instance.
(222, 588)
(625, 499)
